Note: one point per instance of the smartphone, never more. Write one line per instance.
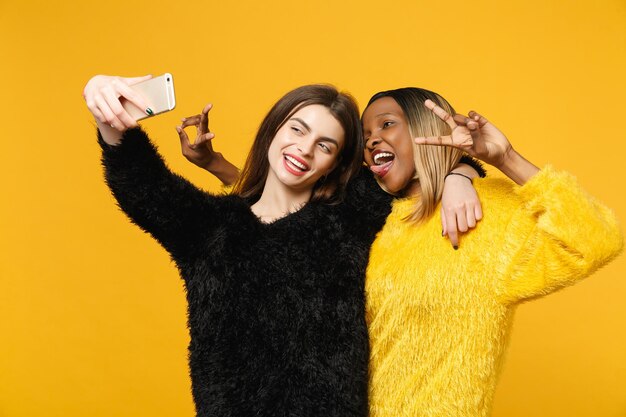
(158, 92)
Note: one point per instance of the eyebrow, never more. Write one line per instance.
(307, 127)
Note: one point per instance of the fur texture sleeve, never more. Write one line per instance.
(369, 203)
(556, 235)
(160, 202)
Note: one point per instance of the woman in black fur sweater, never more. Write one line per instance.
(274, 275)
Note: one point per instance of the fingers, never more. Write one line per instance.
(191, 121)
(470, 218)
(441, 113)
(435, 140)
(108, 116)
(460, 120)
(93, 108)
(135, 80)
(443, 222)
(481, 120)
(451, 227)
(116, 107)
(201, 121)
(478, 211)
(459, 220)
(184, 139)
(204, 119)
(203, 139)
(131, 95)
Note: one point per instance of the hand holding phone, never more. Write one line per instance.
(106, 95)
(158, 92)
(119, 102)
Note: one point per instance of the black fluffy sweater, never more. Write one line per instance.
(276, 311)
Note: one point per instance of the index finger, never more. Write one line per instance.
(204, 119)
(191, 121)
(441, 113)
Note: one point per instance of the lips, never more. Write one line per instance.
(383, 160)
(296, 166)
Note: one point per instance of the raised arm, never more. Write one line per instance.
(554, 234)
(162, 203)
(201, 153)
(479, 138)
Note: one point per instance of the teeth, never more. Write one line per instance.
(296, 162)
(381, 155)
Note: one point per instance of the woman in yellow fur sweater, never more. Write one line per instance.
(439, 318)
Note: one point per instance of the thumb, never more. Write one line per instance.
(184, 139)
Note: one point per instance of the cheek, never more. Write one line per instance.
(328, 163)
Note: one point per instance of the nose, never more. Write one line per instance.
(372, 142)
(306, 145)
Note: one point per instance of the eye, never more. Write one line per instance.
(325, 147)
(387, 124)
(296, 129)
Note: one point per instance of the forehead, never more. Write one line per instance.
(382, 106)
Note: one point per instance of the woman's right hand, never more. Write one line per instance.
(103, 94)
(200, 152)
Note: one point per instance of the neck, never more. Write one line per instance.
(278, 200)
(411, 190)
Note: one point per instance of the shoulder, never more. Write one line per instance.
(499, 198)
(495, 188)
(364, 190)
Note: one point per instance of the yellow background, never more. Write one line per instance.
(92, 312)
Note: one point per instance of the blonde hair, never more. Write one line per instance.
(432, 163)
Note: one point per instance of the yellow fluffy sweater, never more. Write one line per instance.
(439, 318)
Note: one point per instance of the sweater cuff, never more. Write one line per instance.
(545, 183)
(474, 163)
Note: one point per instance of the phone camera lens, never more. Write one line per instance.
(168, 79)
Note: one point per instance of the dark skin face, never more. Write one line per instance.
(389, 147)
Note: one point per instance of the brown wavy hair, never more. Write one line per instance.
(344, 109)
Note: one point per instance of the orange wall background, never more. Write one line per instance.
(92, 312)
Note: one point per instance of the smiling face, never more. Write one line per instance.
(388, 145)
(305, 148)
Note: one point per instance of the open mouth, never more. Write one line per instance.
(295, 165)
(383, 160)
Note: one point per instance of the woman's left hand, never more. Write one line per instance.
(460, 208)
(473, 134)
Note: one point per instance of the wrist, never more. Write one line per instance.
(509, 160)
(214, 163)
(454, 174)
(466, 170)
(222, 169)
(517, 168)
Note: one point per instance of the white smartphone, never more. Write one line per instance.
(158, 92)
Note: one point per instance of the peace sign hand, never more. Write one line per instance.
(474, 135)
